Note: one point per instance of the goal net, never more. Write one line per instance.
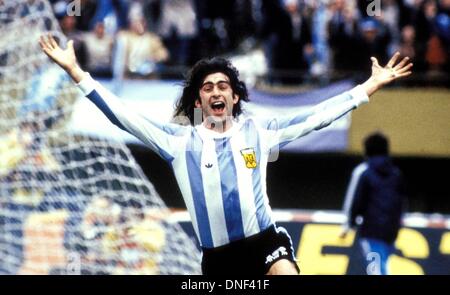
(70, 203)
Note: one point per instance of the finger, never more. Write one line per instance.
(46, 50)
(401, 64)
(404, 74)
(47, 41)
(393, 59)
(375, 62)
(43, 42)
(53, 42)
(70, 45)
(405, 69)
(45, 47)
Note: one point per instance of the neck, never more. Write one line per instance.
(218, 126)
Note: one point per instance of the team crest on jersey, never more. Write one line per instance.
(249, 156)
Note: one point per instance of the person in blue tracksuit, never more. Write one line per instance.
(377, 193)
(220, 160)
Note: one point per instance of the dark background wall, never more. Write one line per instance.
(318, 181)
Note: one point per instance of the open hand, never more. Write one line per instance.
(384, 75)
(391, 71)
(63, 57)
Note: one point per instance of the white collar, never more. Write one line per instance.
(208, 133)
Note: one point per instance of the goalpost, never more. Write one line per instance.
(70, 203)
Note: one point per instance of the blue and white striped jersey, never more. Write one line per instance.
(222, 176)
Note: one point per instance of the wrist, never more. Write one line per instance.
(75, 72)
(371, 86)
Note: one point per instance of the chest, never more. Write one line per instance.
(230, 153)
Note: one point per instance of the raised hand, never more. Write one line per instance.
(65, 58)
(391, 71)
(384, 75)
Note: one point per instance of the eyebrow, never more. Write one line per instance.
(211, 83)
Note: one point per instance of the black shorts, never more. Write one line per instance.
(250, 256)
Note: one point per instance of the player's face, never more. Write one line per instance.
(216, 97)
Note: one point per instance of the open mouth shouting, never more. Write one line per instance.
(218, 107)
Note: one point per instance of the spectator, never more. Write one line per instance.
(178, 28)
(424, 27)
(214, 19)
(88, 9)
(408, 41)
(442, 30)
(68, 26)
(289, 41)
(376, 193)
(99, 47)
(373, 40)
(343, 32)
(390, 18)
(139, 52)
(113, 12)
(319, 62)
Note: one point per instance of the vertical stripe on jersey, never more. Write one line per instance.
(230, 193)
(244, 183)
(262, 215)
(193, 161)
(213, 193)
(268, 210)
(181, 172)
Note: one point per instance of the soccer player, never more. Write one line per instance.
(220, 163)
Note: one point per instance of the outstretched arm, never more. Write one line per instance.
(65, 58)
(385, 75)
(159, 137)
(380, 77)
(322, 115)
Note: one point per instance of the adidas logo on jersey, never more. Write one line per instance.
(209, 165)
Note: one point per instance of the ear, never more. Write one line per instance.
(198, 104)
(235, 98)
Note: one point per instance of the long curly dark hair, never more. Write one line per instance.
(191, 92)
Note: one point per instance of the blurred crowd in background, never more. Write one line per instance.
(298, 38)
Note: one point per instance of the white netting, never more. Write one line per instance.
(70, 204)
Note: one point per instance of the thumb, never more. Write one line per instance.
(70, 45)
(374, 61)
